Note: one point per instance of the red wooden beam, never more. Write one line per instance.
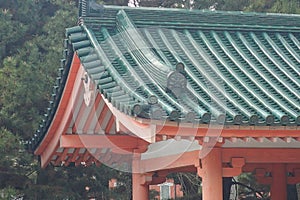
(177, 161)
(101, 141)
(262, 155)
(232, 131)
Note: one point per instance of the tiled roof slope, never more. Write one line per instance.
(207, 66)
(243, 65)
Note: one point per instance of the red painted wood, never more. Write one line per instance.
(279, 182)
(101, 141)
(63, 116)
(212, 186)
(227, 132)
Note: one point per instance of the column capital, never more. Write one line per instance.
(146, 178)
(234, 168)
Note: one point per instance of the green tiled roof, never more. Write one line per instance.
(185, 65)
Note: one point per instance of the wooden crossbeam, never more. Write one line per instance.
(122, 142)
(227, 132)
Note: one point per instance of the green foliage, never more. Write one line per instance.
(123, 189)
(21, 21)
(207, 4)
(275, 6)
(21, 91)
(70, 183)
(27, 41)
(28, 75)
(9, 193)
(221, 4)
(249, 189)
(190, 184)
(260, 6)
(10, 33)
(9, 148)
(286, 6)
(14, 164)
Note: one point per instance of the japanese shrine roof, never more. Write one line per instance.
(181, 65)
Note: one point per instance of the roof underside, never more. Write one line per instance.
(239, 68)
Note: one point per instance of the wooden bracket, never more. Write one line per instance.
(152, 178)
(262, 178)
(260, 175)
(198, 165)
(158, 180)
(295, 178)
(234, 170)
(146, 178)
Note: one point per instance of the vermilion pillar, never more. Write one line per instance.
(279, 182)
(212, 187)
(140, 189)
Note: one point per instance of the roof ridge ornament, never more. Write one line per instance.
(93, 6)
(90, 7)
(88, 89)
(176, 81)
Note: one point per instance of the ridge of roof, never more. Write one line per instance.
(187, 11)
(156, 16)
